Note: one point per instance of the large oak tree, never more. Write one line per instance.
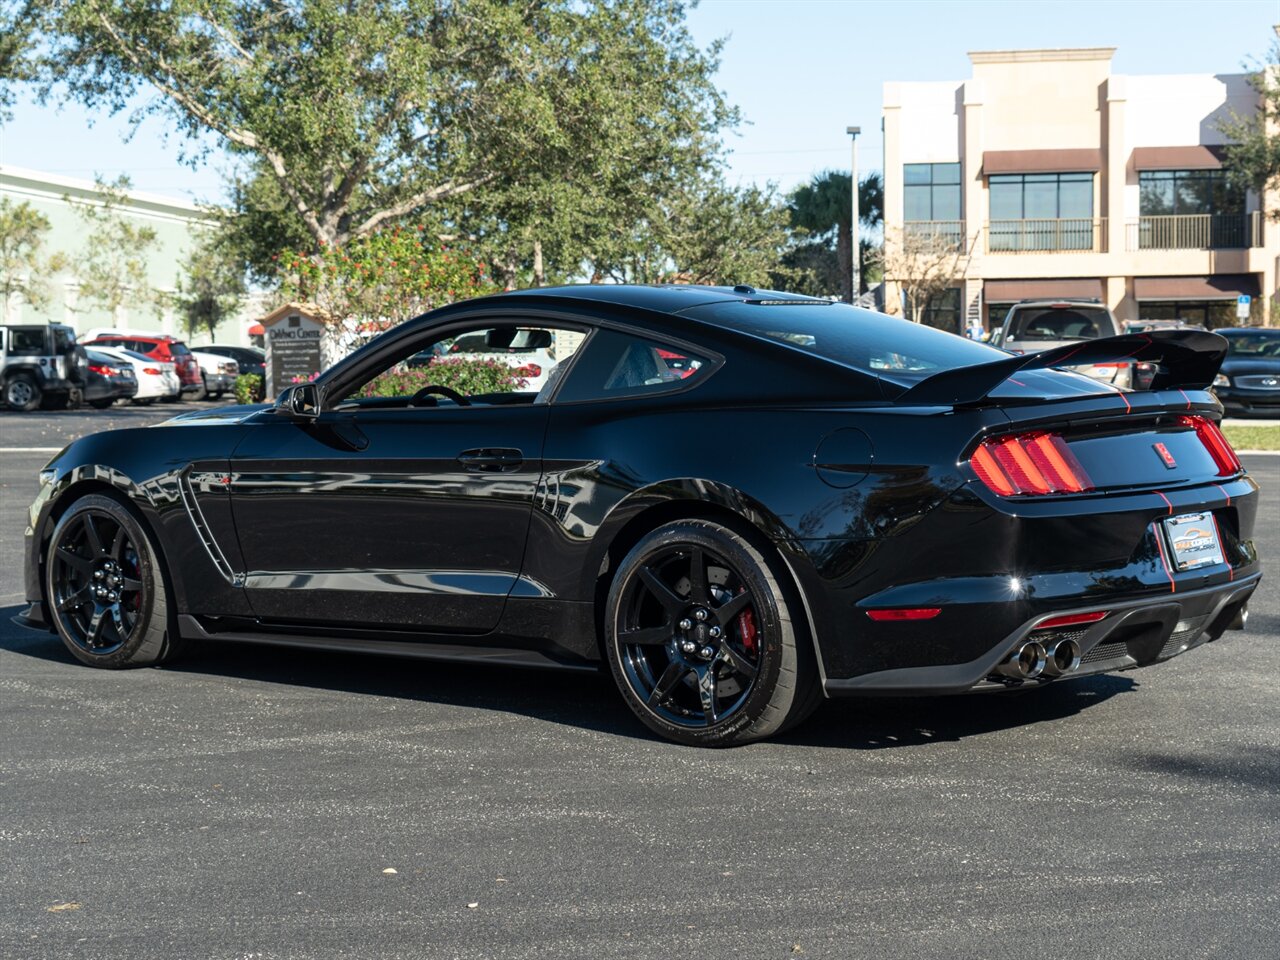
(349, 115)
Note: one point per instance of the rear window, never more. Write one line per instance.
(888, 347)
(620, 365)
(178, 349)
(1059, 323)
(63, 339)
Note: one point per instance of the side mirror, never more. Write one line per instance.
(302, 401)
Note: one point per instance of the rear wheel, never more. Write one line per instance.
(106, 592)
(21, 392)
(101, 404)
(700, 639)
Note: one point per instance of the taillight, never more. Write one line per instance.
(151, 371)
(100, 369)
(529, 370)
(1072, 619)
(1218, 446)
(1032, 464)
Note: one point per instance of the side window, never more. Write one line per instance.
(620, 365)
(28, 341)
(508, 363)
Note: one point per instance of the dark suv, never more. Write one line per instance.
(249, 359)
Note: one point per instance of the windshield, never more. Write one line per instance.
(897, 350)
(1261, 344)
(1059, 323)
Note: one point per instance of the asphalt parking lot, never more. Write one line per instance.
(250, 803)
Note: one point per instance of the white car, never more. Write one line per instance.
(219, 373)
(157, 379)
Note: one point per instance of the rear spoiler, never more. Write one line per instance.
(1183, 358)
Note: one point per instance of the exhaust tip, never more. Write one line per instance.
(1025, 663)
(1062, 657)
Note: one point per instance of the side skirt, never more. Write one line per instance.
(414, 646)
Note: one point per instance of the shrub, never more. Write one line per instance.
(467, 376)
(248, 388)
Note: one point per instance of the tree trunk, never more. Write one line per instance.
(844, 240)
(539, 278)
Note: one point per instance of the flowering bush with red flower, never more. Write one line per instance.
(468, 376)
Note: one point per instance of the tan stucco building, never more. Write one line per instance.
(1056, 177)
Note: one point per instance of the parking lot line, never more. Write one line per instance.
(30, 449)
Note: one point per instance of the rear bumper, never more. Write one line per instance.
(1134, 634)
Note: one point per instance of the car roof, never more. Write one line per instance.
(662, 297)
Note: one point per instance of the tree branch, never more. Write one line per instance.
(409, 204)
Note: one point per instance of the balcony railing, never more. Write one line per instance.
(1076, 235)
(946, 232)
(1201, 231)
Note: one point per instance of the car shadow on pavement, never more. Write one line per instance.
(589, 701)
(878, 723)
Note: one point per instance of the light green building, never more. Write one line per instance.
(176, 225)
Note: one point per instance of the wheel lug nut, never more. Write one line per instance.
(97, 574)
(699, 614)
(714, 631)
(688, 646)
(707, 653)
(685, 624)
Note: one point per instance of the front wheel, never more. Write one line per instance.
(105, 588)
(700, 638)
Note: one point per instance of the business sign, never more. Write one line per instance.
(292, 338)
(1242, 307)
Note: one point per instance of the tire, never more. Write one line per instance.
(201, 393)
(714, 661)
(216, 396)
(101, 404)
(21, 392)
(172, 399)
(97, 547)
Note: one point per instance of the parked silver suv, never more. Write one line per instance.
(1035, 325)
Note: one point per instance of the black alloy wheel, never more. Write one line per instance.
(700, 638)
(105, 591)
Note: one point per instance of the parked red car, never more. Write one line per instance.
(161, 347)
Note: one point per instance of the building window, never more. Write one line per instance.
(1041, 196)
(942, 310)
(931, 192)
(1190, 210)
(1041, 211)
(1179, 193)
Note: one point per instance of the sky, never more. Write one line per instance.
(801, 71)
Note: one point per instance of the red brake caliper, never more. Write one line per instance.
(747, 629)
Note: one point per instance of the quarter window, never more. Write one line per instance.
(620, 365)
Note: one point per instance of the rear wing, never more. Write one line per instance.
(1183, 358)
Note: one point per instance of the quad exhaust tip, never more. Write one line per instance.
(1025, 663)
(1061, 657)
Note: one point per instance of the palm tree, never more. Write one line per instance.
(822, 208)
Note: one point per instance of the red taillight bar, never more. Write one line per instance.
(1032, 464)
(100, 369)
(905, 613)
(1071, 619)
(1218, 446)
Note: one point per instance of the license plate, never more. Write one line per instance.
(1193, 540)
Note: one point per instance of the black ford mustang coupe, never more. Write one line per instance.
(740, 500)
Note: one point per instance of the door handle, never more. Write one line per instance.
(491, 459)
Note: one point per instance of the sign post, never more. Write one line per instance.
(292, 335)
(1242, 306)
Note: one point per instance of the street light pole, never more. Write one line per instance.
(855, 278)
